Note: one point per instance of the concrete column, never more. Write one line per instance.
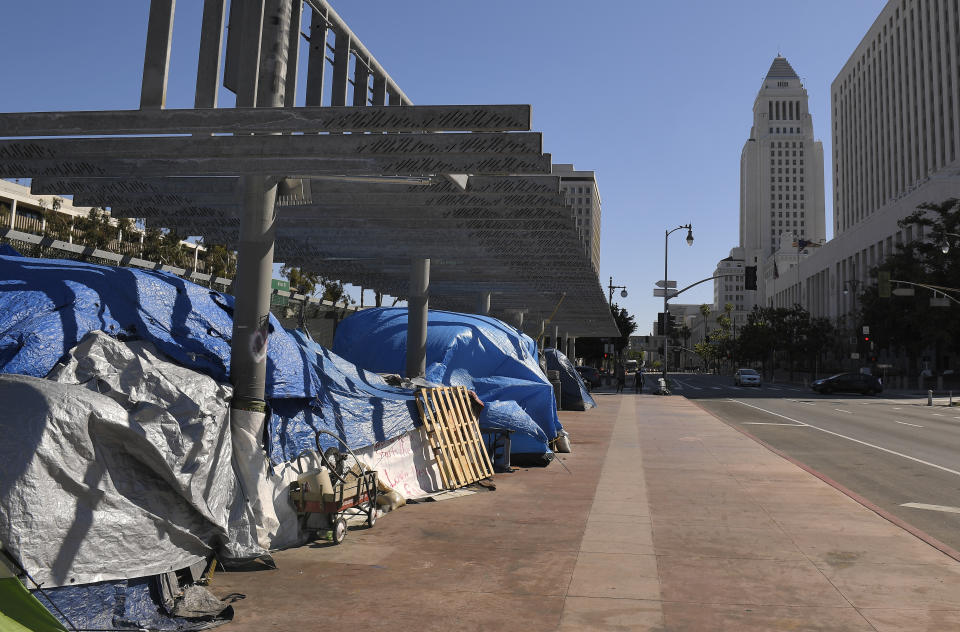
(573, 349)
(196, 256)
(519, 319)
(543, 331)
(417, 306)
(13, 214)
(483, 303)
(556, 337)
(248, 362)
(248, 357)
(566, 344)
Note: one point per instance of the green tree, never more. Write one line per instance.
(909, 326)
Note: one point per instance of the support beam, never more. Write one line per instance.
(208, 63)
(417, 306)
(556, 337)
(483, 303)
(317, 61)
(293, 53)
(13, 214)
(248, 364)
(572, 354)
(156, 58)
(341, 68)
(248, 349)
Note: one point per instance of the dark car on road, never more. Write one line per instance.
(848, 383)
(590, 375)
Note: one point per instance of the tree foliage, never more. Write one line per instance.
(310, 283)
(909, 325)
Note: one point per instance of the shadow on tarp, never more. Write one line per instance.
(573, 392)
(482, 353)
(48, 305)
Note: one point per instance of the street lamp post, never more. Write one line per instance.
(666, 293)
(611, 287)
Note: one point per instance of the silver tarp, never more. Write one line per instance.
(118, 466)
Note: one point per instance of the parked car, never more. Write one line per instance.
(746, 377)
(848, 383)
(590, 375)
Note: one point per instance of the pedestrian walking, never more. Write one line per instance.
(621, 375)
(638, 381)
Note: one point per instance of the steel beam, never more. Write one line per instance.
(417, 306)
(245, 120)
(156, 58)
(208, 64)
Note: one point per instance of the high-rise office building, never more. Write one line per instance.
(896, 108)
(781, 169)
(581, 192)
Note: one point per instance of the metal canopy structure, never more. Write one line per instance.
(362, 193)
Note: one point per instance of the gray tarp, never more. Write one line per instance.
(118, 466)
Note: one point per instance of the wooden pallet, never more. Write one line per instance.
(454, 434)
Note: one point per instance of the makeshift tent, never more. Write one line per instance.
(482, 353)
(573, 392)
(48, 305)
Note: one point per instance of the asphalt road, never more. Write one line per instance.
(892, 450)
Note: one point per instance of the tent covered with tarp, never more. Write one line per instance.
(482, 353)
(573, 392)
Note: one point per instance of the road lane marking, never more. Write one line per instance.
(837, 434)
(932, 507)
(937, 415)
(716, 388)
(773, 388)
(840, 410)
(896, 408)
(906, 424)
(769, 423)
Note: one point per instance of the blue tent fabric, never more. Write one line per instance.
(8, 251)
(573, 392)
(482, 353)
(347, 395)
(132, 604)
(48, 305)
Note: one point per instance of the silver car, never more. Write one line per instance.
(746, 377)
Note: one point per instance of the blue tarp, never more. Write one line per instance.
(132, 604)
(482, 353)
(48, 305)
(573, 392)
(355, 404)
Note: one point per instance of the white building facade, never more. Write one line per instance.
(582, 194)
(896, 138)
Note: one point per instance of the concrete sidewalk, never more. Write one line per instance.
(668, 519)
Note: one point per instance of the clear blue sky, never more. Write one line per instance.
(654, 96)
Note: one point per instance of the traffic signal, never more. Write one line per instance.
(750, 279)
(883, 284)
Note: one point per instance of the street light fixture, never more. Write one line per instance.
(611, 287)
(945, 246)
(666, 293)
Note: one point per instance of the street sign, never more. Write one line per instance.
(866, 329)
(884, 366)
(665, 284)
(939, 301)
(663, 292)
(854, 356)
